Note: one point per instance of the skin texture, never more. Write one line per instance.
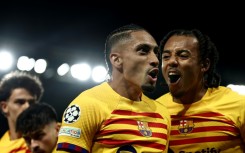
(132, 61)
(43, 140)
(181, 56)
(19, 100)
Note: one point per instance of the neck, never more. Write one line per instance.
(12, 132)
(191, 96)
(126, 89)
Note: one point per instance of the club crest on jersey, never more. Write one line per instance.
(72, 114)
(144, 128)
(186, 126)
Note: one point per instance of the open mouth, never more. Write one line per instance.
(153, 73)
(173, 77)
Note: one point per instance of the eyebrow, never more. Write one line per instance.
(148, 45)
(23, 99)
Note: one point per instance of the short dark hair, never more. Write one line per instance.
(35, 117)
(207, 49)
(20, 79)
(116, 36)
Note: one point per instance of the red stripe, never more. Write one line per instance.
(133, 122)
(20, 149)
(131, 132)
(130, 113)
(135, 142)
(157, 125)
(209, 129)
(201, 140)
(207, 114)
(120, 121)
(176, 121)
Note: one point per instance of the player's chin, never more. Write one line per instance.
(148, 87)
(38, 151)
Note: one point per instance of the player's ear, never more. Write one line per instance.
(116, 60)
(205, 65)
(3, 107)
(57, 127)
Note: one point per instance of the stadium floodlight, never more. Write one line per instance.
(63, 69)
(6, 60)
(81, 71)
(25, 63)
(40, 66)
(99, 73)
(238, 88)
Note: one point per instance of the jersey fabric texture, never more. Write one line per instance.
(13, 146)
(101, 121)
(212, 125)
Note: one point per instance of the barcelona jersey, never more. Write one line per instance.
(214, 124)
(101, 121)
(13, 146)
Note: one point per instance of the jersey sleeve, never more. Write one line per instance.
(80, 122)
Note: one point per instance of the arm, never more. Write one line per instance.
(79, 125)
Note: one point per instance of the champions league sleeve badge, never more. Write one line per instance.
(72, 114)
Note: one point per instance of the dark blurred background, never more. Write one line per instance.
(72, 31)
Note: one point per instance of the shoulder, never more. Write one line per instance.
(6, 145)
(229, 93)
(5, 137)
(92, 96)
(156, 105)
(96, 99)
